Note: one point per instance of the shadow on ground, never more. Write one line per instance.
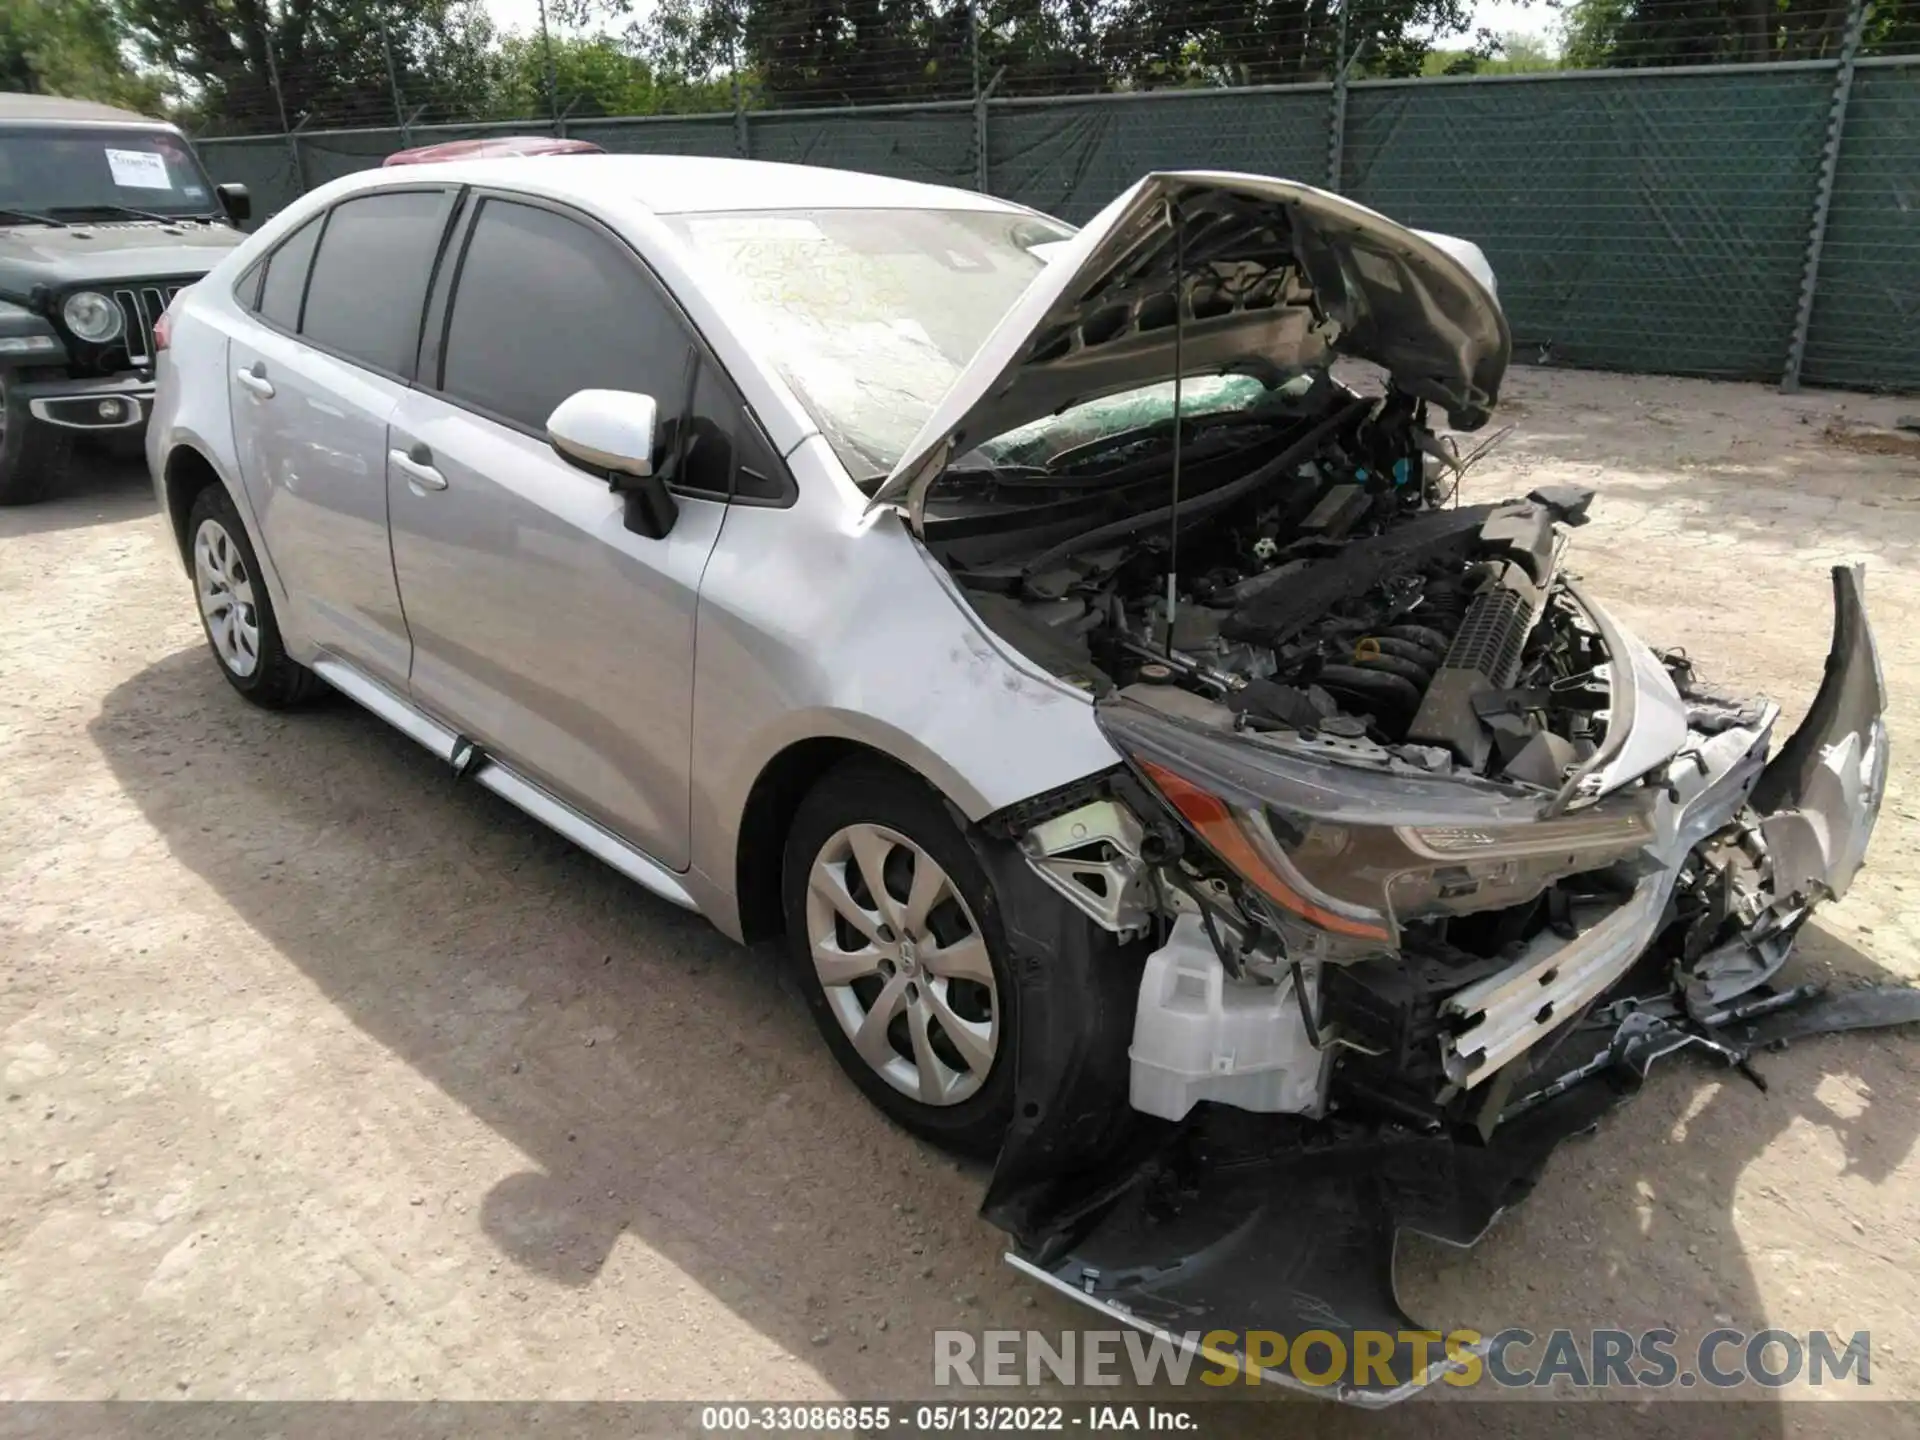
(100, 489)
(663, 1080)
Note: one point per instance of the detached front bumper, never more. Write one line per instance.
(1227, 1223)
(110, 404)
(1502, 1017)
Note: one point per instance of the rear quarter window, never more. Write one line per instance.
(247, 288)
(286, 276)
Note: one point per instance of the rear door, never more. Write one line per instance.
(314, 385)
(544, 629)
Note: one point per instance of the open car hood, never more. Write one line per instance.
(1276, 273)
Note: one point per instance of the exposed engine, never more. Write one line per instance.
(1324, 590)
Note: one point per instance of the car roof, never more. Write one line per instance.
(634, 192)
(692, 184)
(18, 108)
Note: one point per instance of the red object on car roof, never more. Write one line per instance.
(492, 149)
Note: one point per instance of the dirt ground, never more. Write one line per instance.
(324, 1077)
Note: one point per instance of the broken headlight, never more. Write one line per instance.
(1353, 853)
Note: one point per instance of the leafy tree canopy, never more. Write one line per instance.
(68, 47)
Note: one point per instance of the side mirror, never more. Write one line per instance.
(610, 433)
(236, 201)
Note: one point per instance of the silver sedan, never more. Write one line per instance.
(1145, 755)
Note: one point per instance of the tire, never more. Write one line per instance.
(943, 1061)
(235, 610)
(34, 456)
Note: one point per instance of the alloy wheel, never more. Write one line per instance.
(225, 589)
(903, 964)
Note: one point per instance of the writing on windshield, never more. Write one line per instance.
(78, 173)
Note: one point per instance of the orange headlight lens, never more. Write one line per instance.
(1243, 842)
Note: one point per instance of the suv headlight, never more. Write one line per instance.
(92, 317)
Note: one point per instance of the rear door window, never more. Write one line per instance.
(286, 278)
(546, 305)
(370, 278)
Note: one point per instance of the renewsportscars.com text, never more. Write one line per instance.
(1510, 1360)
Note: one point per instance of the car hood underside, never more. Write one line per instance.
(1234, 271)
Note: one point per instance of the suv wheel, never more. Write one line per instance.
(895, 940)
(235, 610)
(33, 456)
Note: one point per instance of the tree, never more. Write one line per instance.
(824, 51)
(68, 47)
(592, 76)
(1628, 33)
(851, 51)
(331, 57)
(1509, 54)
(1266, 42)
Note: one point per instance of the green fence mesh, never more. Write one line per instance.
(1070, 158)
(1650, 222)
(1638, 220)
(264, 165)
(700, 135)
(1866, 313)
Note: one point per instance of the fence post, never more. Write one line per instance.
(299, 160)
(290, 131)
(553, 82)
(741, 140)
(980, 173)
(1823, 195)
(393, 81)
(1337, 120)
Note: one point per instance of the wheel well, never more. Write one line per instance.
(771, 806)
(188, 473)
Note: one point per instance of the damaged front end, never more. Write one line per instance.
(1418, 858)
(1368, 996)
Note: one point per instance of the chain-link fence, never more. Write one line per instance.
(1735, 220)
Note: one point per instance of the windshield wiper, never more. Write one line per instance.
(114, 207)
(32, 217)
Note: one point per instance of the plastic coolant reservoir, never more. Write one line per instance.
(1199, 1036)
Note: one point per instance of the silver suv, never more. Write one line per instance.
(1146, 757)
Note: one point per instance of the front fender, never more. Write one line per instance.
(814, 624)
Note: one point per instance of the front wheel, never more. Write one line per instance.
(895, 939)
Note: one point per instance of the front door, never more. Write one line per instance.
(543, 629)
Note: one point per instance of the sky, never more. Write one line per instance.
(1500, 16)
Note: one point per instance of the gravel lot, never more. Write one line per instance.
(324, 1077)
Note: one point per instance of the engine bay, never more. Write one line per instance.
(1317, 584)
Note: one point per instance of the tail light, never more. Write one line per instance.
(163, 327)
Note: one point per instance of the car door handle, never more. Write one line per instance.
(415, 467)
(255, 379)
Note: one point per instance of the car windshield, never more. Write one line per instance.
(98, 172)
(872, 314)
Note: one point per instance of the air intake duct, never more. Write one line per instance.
(1485, 655)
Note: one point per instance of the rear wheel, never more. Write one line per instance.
(34, 456)
(895, 939)
(235, 610)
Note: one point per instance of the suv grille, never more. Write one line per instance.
(141, 306)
